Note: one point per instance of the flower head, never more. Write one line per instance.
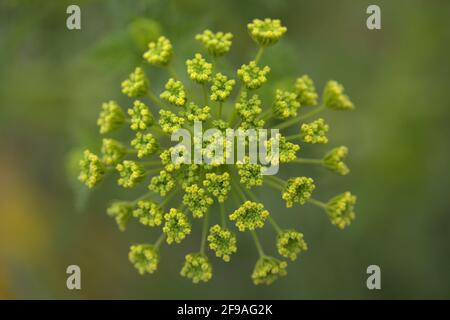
(197, 200)
(248, 108)
(189, 175)
(136, 85)
(315, 132)
(217, 44)
(92, 169)
(176, 227)
(131, 173)
(266, 32)
(197, 268)
(290, 243)
(169, 121)
(162, 183)
(195, 113)
(141, 117)
(149, 213)
(335, 98)
(267, 270)
(253, 76)
(298, 190)
(174, 93)
(145, 144)
(250, 173)
(285, 104)
(221, 87)
(250, 215)
(219, 185)
(121, 211)
(306, 91)
(144, 257)
(159, 52)
(333, 160)
(198, 69)
(287, 151)
(340, 209)
(171, 165)
(111, 117)
(113, 151)
(222, 241)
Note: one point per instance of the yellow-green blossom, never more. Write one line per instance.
(144, 257)
(340, 209)
(131, 173)
(285, 104)
(250, 215)
(315, 132)
(287, 151)
(176, 227)
(222, 241)
(189, 175)
(121, 211)
(111, 117)
(333, 160)
(145, 144)
(197, 267)
(217, 44)
(162, 183)
(250, 173)
(219, 185)
(306, 91)
(92, 169)
(253, 76)
(174, 93)
(169, 121)
(149, 213)
(221, 87)
(197, 200)
(267, 270)
(248, 108)
(335, 98)
(195, 113)
(159, 52)
(141, 117)
(136, 85)
(198, 69)
(113, 151)
(266, 32)
(290, 244)
(298, 190)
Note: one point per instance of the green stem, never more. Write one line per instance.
(223, 215)
(204, 233)
(220, 109)
(153, 170)
(308, 161)
(150, 163)
(259, 54)
(295, 120)
(317, 203)
(155, 99)
(257, 243)
(279, 181)
(160, 240)
(294, 136)
(274, 224)
(172, 72)
(274, 185)
(168, 197)
(205, 94)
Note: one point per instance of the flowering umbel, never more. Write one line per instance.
(180, 191)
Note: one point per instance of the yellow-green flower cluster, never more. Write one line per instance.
(250, 173)
(266, 32)
(250, 215)
(287, 151)
(189, 175)
(221, 87)
(136, 85)
(149, 213)
(306, 91)
(198, 69)
(197, 268)
(197, 200)
(315, 132)
(333, 160)
(111, 117)
(174, 93)
(217, 44)
(144, 257)
(92, 169)
(121, 211)
(267, 270)
(145, 144)
(290, 244)
(171, 165)
(162, 183)
(169, 121)
(285, 104)
(219, 185)
(141, 117)
(159, 52)
(222, 241)
(298, 190)
(176, 227)
(195, 113)
(335, 98)
(248, 109)
(131, 173)
(253, 76)
(113, 151)
(340, 209)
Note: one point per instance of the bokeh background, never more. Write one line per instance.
(53, 81)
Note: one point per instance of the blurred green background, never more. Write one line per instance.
(53, 81)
